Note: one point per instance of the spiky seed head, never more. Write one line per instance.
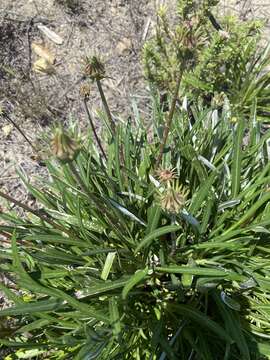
(173, 199)
(94, 68)
(166, 175)
(224, 35)
(63, 147)
(85, 90)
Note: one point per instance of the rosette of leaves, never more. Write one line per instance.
(94, 259)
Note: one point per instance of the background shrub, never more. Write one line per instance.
(222, 60)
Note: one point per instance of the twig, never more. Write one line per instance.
(20, 131)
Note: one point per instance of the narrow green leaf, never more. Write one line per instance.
(233, 326)
(201, 194)
(114, 316)
(108, 265)
(32, 307)
(126, 211)
(265, 198)
(156, 234)
(231, 303)
(237, 158)
(134, 280)
(96, 290)
(203, 320)
(193, 271)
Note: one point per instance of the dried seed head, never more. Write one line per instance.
(173, 199)
(85, 91)
(63, 147)
(224, 35)
(94, 68)
(166, 175)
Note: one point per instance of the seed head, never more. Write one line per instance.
(173, 199)
(85, 91)
(224, 35)
(94, 68)
(63, 147)
(166, 175)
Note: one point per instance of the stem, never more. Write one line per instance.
(21, 132)
(106, 107)
(34, 212)
(93, 128)
(213, 21)
(173, 236)
(169, 119)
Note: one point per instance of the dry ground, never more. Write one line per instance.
(115, 29)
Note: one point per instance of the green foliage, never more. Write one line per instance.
(108, 273)
(222, 61)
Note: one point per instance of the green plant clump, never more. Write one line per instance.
(132, 257)
(221, 59)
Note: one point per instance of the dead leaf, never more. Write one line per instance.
(43, 52)
(43, 66)
(51, 34)
(7, 129)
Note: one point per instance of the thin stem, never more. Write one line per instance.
(169, 119)
(93, 128)
(213, 21)
(106, 107)
(21, 132)
(34, 212)
(173, 236)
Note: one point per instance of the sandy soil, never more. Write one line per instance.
(114, 29)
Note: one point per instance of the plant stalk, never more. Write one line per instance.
(169, 119)
(93, 128)
(106, 106)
